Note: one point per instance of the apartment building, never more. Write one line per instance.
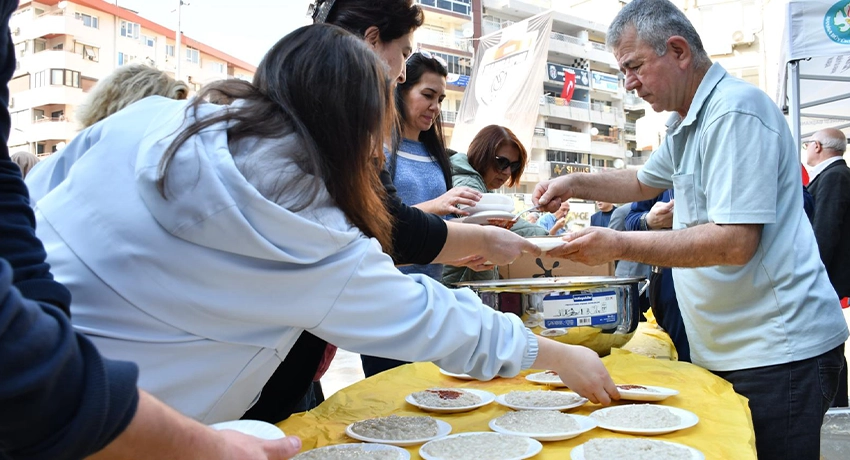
(447, 33)
(595, 129)
(64, 47)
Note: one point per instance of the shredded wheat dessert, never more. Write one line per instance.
(538, 422)
(641, 416)
(446, 397)
(637, 388)
(356, 452)
(541, 398)
(548, 376)
(490, 446)
(633, 449)
(396, 428)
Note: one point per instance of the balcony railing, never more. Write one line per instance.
(598, 46)
(50, 119)
(566, 38)
(600, 107)
(629, 128)
(448, 117)
(563, 102)
(630, 99)
(608, 139)
(445, 41)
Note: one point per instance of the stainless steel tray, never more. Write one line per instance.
(523, 285)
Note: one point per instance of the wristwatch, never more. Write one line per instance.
(642, 223)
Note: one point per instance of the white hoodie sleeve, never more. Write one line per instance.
(383, 312)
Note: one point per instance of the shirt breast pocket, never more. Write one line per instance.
(685, 191)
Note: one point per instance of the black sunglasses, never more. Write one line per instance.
(427, 55)
(502, 163)
(320, 10)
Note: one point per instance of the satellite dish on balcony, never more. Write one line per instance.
(619, 163)
(594, 131)
(467, 30)
(629, 154)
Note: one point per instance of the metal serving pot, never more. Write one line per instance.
(608, 304)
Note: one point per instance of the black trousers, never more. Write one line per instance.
(287, 387)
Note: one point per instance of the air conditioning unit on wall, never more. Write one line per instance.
(741, 38)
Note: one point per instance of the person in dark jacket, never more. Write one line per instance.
(830, 188)
(603, 217)
(657, 214)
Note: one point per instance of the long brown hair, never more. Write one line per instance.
(482, 150)
(325, 86)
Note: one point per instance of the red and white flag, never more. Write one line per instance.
(569, 85)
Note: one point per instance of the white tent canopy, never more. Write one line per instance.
(814, 80)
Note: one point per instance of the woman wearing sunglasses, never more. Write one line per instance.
(495, 158)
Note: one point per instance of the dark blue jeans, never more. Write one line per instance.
(788, 402)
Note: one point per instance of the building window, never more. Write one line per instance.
(21, 48)
(38, 79)
(65, 77)
(21, 117)
(88, 21)
(149, 41)
(456, 64)
(124, 58)
(490, 24)
(87, 51)
(562, 156)
(217, 67)
(455, 6)
(169, 50)
(193, 55)
(130, 29)
(37, 114)
(597, 163)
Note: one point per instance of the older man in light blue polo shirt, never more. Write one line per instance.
(756, 300)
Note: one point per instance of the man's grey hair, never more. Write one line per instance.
(655, 21)
(832, 139)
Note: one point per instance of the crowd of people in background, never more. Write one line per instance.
(233, 203)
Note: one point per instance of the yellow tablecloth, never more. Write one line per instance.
(724, 430)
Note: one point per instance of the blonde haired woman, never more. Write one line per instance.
(124, 86)
(25, 161)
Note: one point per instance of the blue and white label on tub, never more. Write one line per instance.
(586, 308)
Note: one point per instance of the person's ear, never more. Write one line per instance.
(681, 50)
(372, 36)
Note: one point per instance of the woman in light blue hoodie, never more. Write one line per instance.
(220, 234)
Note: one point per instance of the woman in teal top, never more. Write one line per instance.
(495, 158)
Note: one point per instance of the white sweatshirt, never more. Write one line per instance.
(208, 290)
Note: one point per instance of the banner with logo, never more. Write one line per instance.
(817, 36)
(506, 82)
(604, 82)
(556, 73)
